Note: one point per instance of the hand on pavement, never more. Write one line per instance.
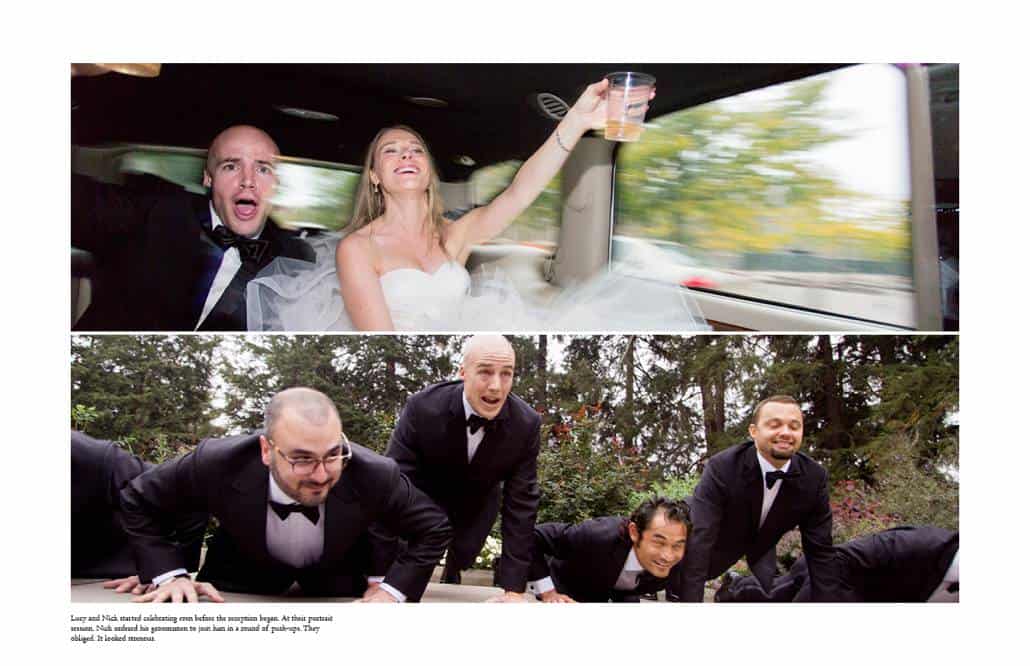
(508, 597)
(378, 595)
(556, 597)
(128, 584)
(180, 590)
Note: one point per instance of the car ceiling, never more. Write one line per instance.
(489, 117)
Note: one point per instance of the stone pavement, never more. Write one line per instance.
(476, 587)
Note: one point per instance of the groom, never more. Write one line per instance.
(461, 442)
(169, 260)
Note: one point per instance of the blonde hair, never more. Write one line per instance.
(371, 204)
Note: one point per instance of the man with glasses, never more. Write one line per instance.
(293, 505)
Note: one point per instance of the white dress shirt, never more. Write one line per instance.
(941, 594)
(768, 494)
(231, 263)
(294, 541)
(628, 578)
(473, 440)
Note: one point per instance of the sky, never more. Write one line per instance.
(870, 99)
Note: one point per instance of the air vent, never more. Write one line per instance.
(551, 106)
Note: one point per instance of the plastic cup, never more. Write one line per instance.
(628, 93)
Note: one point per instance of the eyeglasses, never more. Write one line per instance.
(307, 466)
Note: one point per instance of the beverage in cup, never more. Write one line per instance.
(628, 94)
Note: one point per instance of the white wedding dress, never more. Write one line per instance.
(297, 296)
(421, 301)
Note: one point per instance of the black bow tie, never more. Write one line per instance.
(251, 249)
(284, 511)
(475, 422)
(772, 477)
(645, 578)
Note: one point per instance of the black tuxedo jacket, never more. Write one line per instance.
(226, 478)
(430, 445)
(903, 564)
(100, 547)
(727, 506)
(585, 560)
(155, 262)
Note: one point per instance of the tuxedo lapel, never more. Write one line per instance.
(494, 435)
(230, 312)
(249, 505)
(206, 257)
(616, 560)
(344, 521)
(456, 433)
(755, 488)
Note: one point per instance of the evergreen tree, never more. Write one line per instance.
(152, 393)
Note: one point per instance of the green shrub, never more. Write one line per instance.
(583, 475)
(674, 489)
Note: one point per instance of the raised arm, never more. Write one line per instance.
(482, 224)
(359, 285)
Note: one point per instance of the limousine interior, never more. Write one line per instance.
(785, 197)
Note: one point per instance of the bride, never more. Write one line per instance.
(401, 264)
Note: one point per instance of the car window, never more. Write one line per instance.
(538, 225)
(311, 194)
(796, 194)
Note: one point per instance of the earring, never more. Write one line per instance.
(375, 188)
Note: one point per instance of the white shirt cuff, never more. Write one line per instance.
(168, 576)
(538, 587)
(394, 592)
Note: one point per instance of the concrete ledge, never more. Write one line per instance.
(93, 592)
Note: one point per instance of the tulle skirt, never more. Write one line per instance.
(298, 296)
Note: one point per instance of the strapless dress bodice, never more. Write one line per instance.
(420, 300)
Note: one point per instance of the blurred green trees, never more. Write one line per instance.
(740, 176)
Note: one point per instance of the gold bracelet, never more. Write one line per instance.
(560, 144)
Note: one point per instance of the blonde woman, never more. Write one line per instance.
(400, 264)
(403, 264)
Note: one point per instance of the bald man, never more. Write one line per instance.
(294, 504)
(169, 260)
(472, 447)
